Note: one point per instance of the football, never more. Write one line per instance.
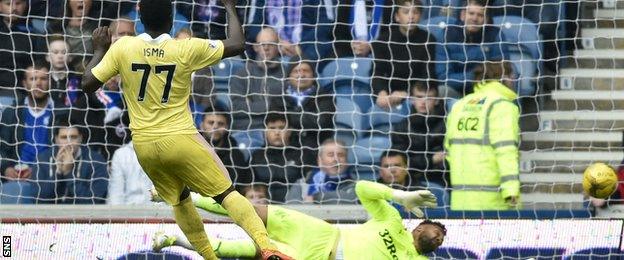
(599, 180)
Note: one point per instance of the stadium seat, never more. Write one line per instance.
(380, 121)
(437, 26)
(348, 120)
(16, 192)
(358, 92)
(364, 172)
(223, 71)
(367, 150)
(433, 8)
(345, 71)
(249, 141)
(525, 48)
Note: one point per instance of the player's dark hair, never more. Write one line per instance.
(435, 223)
(274, 117)
(427, 245)
(393, 153)
(218, 108)
(156, 15)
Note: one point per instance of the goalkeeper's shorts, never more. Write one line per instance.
(306, 237)
(177, 161)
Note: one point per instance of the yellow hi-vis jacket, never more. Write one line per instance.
(482, 148)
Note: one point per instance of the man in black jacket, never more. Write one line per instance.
(422, 135)
(403, 53)
(310, 109)
(278, 165)
(214, 128)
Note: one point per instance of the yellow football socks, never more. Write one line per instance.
(191, 224)
(243, 214)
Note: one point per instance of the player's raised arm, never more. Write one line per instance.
(375, 196)
(101, 43)
(235, 42)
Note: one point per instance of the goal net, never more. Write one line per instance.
(328, 93)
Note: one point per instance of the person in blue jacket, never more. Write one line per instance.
(474, 41)
(70, 172)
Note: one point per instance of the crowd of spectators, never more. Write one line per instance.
(60, 145)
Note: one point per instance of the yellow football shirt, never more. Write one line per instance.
(156, 79)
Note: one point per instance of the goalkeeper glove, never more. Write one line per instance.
(412, 200)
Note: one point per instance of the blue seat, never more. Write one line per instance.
(223, 71)
(380, 121)
(16, 192)
(433, 8)
(437, 26)
(367, 150)
(347, 120)
(364, 172)
(523, 41)
(346, 71)
(249, 141)
(358, 92)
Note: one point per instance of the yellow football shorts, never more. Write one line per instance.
(175, 162)
(305, 237)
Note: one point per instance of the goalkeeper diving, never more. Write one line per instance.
(304, 237)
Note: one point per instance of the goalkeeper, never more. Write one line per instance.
(304, 237)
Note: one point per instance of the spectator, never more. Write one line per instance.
(77, 27)
(17, 49)
(422, 135)
(485, 124)
(394, 173)
(26, 129)
(401, 54)
(128, 184)
(214, 128)
(344, 28)
(310, 108)
(122, 26)
(473, 42)
(70, 173)
(65, 85)
(277, 165)
(252, 87)
(257, 194)
(332, 176)
(284, 17)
